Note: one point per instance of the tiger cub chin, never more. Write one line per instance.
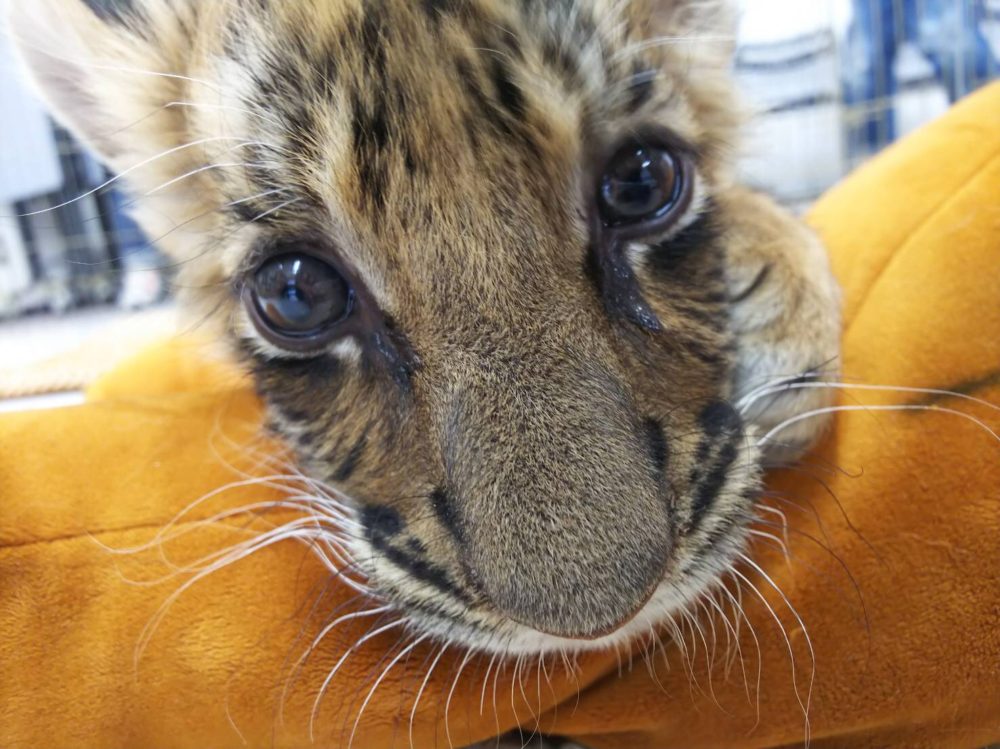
(489, 267)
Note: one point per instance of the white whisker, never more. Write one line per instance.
(258, 196)
(872, 408)
(777, 541)
(805, 703)
(378, 681)
(732, 644)
(423, 686)
(784, 519)
(737, 604)
(277, 208)
(336, 668)
(496, 680)
(451, 693)
(486, 678)
(779, 381)
(262, 115)
(194, 173)
(745, 403)
(327, 629)
(131, 169)
(222, 559)
(179, 517)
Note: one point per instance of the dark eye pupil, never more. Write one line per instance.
(298, 295)
(640, 184)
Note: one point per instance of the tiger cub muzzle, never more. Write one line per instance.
(556, 494)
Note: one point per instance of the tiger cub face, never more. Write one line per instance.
(490, 271)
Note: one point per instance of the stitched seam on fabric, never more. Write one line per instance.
(927, 220)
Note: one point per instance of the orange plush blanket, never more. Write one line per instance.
(893, 535)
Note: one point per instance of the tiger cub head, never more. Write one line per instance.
(489, 267)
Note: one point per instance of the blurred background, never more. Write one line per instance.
(832, 82)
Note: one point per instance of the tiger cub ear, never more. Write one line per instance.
(103, 66)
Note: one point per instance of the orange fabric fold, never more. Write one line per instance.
(882, 625)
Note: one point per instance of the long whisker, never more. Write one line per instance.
(696, 628)
(806, 703)
(378, 681)
(737, 604)
(710, 659)
(259, 115)
(300, 662)
(295, 668)
(194, 105)
(423, 686)
(194, 173)
(783, 523)
(778, 380)
(336, 668)
(135, 167)
(747, 402)
(873, 408)
(775, 540)
(164, 532)
(258, 196)
(732, 641)
(277, 208)
(451, 693)
(222, 559)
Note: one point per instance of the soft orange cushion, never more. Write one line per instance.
(894, 537)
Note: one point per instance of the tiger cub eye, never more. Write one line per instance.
(639, 184)
(298, 295)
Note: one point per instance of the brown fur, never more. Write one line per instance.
(525, 455)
